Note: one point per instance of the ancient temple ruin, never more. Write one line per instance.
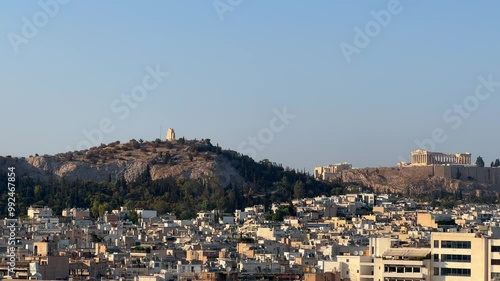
(424, 157)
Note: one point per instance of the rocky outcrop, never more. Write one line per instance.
(127, 163)
(414, 181)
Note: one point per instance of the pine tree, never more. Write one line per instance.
(480, 162)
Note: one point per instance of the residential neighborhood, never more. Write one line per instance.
(347, 237)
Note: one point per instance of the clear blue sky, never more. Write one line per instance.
(227, 76)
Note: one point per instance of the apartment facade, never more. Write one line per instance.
(460, 256)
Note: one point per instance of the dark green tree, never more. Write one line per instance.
(133, 216)
(298, 190)
(480, 162)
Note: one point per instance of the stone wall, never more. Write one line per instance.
(424, 179)
(483, 175)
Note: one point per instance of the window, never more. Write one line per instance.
(495, 262)
(456, 258)
(400, 269)
(455, 272)
(436, 243)
(436, 257)
(390, 269)
(495, 249)
(436, 271)
(456, 244)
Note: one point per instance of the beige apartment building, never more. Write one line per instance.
(460, 256)
(494, 264)
(430, 220)
(76, 213)
(452, 257)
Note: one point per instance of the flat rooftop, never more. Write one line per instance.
(408, 252)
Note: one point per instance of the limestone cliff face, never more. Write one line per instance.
(415, 181)
(73, 170)
(129, 165)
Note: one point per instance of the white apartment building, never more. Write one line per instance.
(460, 256)
(147, 214)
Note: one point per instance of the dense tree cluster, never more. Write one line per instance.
(266, 183)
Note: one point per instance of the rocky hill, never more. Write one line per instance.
(182, 176)
(418, 182)
(185, 159)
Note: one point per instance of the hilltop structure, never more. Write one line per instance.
(330, 172)
(424, 158)
(170, 134)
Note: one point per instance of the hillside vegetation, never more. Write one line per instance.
(181, 176)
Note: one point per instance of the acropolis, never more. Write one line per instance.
(424, 157)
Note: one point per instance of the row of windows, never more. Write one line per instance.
(452, 271)
(401, 269)
(456, 244)
(456, 258)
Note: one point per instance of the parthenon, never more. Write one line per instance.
(424, 157)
